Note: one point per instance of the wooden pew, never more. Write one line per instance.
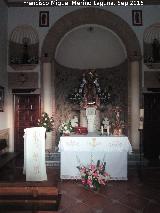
(25, 198)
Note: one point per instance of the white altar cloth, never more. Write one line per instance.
(34, 154)
(76, 150)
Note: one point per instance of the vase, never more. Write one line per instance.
(117, 131)
(48, 142)
(66, 134)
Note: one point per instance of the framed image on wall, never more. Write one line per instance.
(44, 18)
(1, 99)
(137, 17)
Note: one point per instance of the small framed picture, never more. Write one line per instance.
(137, 17)
(1, 99)
(44, 18)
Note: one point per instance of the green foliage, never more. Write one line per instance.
(46, 122)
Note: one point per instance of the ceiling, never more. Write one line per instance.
(13, 3)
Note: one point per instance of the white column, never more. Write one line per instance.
(47, 88)
(134, 92)
(10, 120)
(53, 90)
(47, 95)
(53, 103)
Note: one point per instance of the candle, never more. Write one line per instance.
(108, 129)
(102, 130)
(141, 117)
(141, 113)
(140, 124)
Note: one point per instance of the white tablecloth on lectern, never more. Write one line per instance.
(76, 150)
(34, 154)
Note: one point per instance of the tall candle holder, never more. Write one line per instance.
(140, 152)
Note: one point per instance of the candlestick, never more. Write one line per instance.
(140, 124)
(102, 130)
(141, 113)
(141, 118)
(108, 129)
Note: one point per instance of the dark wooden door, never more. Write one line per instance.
(27, 111)
(151, 141)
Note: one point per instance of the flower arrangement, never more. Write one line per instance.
(90, 78)
(46, 122)
(66, 127)
(93, 175)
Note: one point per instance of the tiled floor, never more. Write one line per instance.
(137, 195)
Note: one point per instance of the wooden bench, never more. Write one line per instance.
(6, 158)
(7, 166)
(25, 198)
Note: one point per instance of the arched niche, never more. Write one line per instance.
(23, 47)
(98, 47)
(90, 16)
(127, 36)
(151, 44)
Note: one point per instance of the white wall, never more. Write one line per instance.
(3, 58)
(30, 15)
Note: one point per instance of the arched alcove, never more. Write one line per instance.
(106, 19)
(90, 16)
(98, 47)
(151, 44)
(23, 47)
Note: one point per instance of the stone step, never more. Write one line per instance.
(135, 159)
(53, 159)
(53, 156)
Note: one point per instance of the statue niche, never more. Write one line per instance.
(155, 50)
(90, 96)
(90, 101)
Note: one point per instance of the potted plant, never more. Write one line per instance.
(66, 128)
(48, 123)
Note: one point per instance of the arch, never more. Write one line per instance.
(90, 16)
(123, 30)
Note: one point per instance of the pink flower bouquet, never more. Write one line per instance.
(93, 176)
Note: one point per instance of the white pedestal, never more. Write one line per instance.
(91, 119)
(34, 154)
(83, 118)
(91, 123)
(97, 121)
(48, 141)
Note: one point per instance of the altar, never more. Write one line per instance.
(81, 150)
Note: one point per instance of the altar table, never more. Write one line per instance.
(81, 150)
